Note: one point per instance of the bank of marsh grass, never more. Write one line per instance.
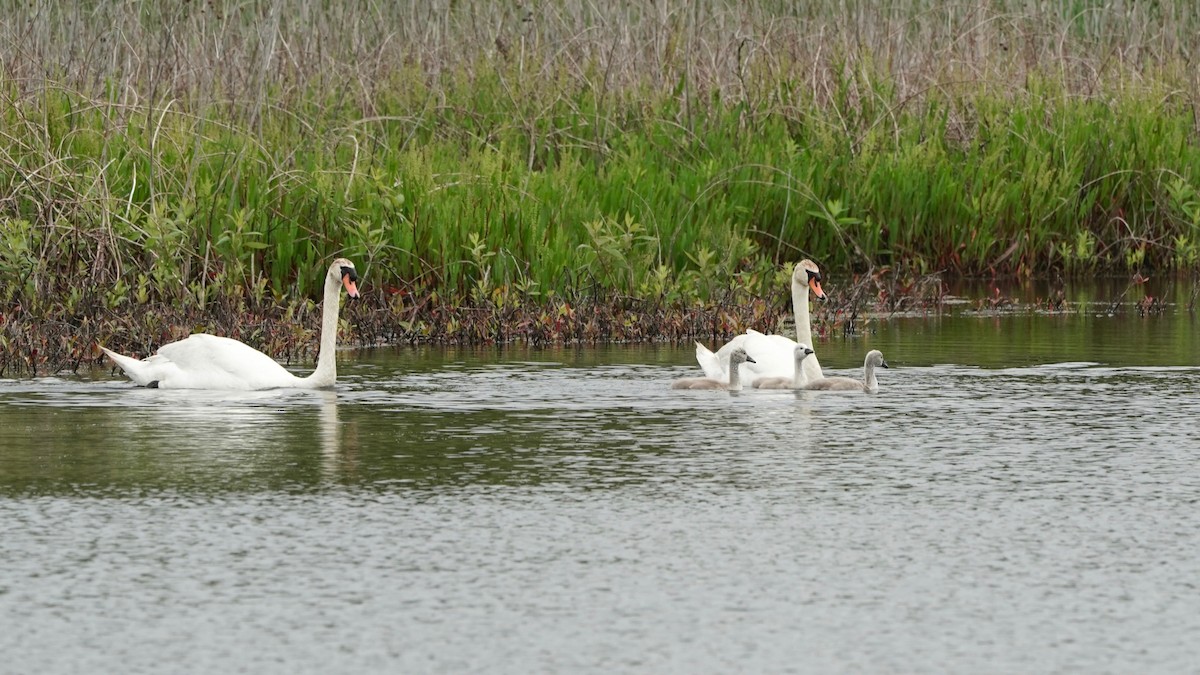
(547, 153)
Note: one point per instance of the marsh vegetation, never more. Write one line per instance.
(567, 171)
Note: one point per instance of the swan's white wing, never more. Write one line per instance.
(774, 355)
(780, 347)
(145, 371)
(202, 350)
(716, 366)
(212, 362)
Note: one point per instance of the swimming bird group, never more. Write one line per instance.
(203, 361)
(776, 361)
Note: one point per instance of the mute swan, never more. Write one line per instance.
(202, 361)
(868, 384)
(802, 352)
(774, 353)
(736, 359)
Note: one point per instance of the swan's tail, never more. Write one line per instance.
(138, 371)
(709, 363)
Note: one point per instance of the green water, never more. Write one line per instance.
(1019, 496)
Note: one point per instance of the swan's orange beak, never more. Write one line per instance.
(351, 287)
(815, 284)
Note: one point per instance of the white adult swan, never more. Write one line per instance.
(797, 382)
(868, 383)
(774, 354)
(204, 361)
(732, 383)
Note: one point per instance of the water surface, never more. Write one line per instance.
(1020, 496)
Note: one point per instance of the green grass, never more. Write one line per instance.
(681, 152)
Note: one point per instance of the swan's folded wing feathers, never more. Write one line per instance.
(143, 372)
(212, 353)
(774, 355)
(710, 363)
(727, 350)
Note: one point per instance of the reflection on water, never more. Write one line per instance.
(113, 435)
(1019, 496)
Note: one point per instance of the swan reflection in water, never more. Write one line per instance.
(247, 429)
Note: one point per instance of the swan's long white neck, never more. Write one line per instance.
(326, 373)
(869, 375)
(800, 309)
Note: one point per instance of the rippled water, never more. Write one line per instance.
(1021, 496)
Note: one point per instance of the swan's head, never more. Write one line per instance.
(342, 270)
(739, 355)
(808, 274)
(802, 351)
(875, 358)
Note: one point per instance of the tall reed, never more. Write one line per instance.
(675, 151)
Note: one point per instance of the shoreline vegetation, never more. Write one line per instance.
(562, 171)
